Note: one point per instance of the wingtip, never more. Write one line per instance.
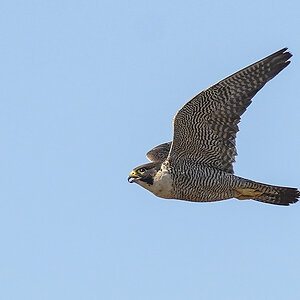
(287, 53)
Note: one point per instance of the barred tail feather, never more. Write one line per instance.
(281, 196)
(277, 195)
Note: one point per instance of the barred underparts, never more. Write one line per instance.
(197, 165)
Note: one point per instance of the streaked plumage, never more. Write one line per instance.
(197, 164)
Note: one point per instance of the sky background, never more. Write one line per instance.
(87, 88)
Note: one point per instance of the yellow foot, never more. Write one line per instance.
(243, 194)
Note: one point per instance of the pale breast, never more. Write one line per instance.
(162, 184)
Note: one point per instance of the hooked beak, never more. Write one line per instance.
(133, 176)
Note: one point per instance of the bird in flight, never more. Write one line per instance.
(197, 165)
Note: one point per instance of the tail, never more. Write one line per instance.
(277, 195)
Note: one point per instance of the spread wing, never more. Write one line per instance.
(159, 153)
(205, 127)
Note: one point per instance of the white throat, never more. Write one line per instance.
(162, 184)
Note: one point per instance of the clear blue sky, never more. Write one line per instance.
(87, 88)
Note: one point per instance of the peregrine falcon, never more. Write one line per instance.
(197, 165)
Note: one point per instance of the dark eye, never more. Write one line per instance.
(142, 170)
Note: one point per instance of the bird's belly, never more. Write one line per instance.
(203, 184)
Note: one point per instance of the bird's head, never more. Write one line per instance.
(144, 173)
